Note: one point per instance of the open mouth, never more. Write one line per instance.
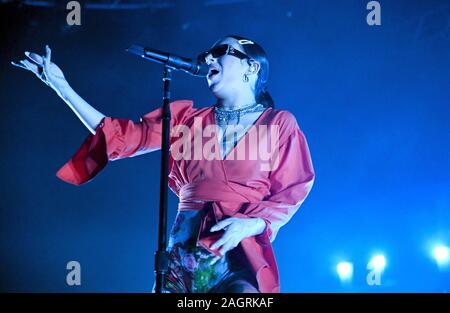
(212, 73)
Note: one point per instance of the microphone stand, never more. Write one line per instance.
(170, 62)
(161, 255)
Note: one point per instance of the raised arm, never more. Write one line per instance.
(52, 75)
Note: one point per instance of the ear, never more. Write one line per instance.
(254, 67)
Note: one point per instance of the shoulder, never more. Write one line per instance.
(180, 110)
(287, 124)
(182, 106)
(284, 116)
(187, 108)
(284, 119)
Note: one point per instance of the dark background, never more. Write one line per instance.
(372, 101)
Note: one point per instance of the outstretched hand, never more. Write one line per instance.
(236, 229)
(43, 68)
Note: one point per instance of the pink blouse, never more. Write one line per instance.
(237, 187)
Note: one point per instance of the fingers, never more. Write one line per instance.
(19, 65)
(230, 244)
(221, 241)
(48, 55)
(227, 242)
(35, 57)
(25, 64)
(222, 224)
(214, 261)
(222, 253)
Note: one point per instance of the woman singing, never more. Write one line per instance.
(234, 195)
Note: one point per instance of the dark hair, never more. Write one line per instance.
(256, 52)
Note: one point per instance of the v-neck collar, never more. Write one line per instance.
(213, 121)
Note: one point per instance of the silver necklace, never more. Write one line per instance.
(224, 116)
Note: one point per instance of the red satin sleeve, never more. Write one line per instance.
(117, 138)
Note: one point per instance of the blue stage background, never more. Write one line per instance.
(373, 102)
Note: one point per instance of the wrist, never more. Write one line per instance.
(62, 88)
(260, 226)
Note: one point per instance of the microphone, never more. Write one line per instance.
(173, 61)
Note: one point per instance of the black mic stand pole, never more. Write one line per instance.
(170, 62)
(161, 255)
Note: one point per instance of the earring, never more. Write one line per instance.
(245, 79)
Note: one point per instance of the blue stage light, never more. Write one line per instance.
(345, 270)
(440, 254)
(378, 262)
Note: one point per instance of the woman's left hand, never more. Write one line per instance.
(236, 229)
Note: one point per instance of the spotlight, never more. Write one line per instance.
(440, 253)
(378, 262)
(345, 270)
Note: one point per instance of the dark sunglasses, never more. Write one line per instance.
(221, 50)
